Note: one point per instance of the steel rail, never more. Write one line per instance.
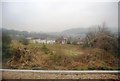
(62, 71)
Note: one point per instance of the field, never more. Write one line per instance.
(59, 57)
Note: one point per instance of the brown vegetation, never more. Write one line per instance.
(60, 57)
(100, 37)
(100, 54)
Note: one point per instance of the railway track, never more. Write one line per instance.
(59, 74)
(62, 71)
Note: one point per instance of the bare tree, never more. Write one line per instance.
(101, 37)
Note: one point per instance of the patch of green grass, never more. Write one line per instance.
(45, 49)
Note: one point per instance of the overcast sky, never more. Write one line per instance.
(57, 15)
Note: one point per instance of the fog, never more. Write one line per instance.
(57, 15)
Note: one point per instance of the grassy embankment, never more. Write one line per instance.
(60, 57)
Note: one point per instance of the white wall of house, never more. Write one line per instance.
(50, 41)
(63, 42)
(42, 41)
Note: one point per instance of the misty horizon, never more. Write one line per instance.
(112, 29)
(57, 16)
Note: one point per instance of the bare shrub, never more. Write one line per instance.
(101, 37)
(21, 57)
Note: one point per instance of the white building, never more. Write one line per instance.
(42, 41)
(29, 38)
(50, 41)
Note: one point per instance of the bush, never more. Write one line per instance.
(106, 43)
(45, 49)
(21, 58)
(68, 42)
(60, 59)
(24, 41)
(102, 38)
(119, 44)
(6, 41)
(74, 43)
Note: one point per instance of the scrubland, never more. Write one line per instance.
(59, 57)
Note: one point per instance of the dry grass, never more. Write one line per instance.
(59, 56)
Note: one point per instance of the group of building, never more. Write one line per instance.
(60, 40)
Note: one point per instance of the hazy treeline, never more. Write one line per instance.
(101, 37)
(97, 37)
(15, 34)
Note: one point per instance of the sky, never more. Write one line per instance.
(57, 15)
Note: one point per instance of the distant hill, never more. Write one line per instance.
(15, 34)
(85, 30)
(73, 32)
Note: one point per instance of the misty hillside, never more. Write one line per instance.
(84, 30)
(15, 34)
(73, 32)
(76, 32)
